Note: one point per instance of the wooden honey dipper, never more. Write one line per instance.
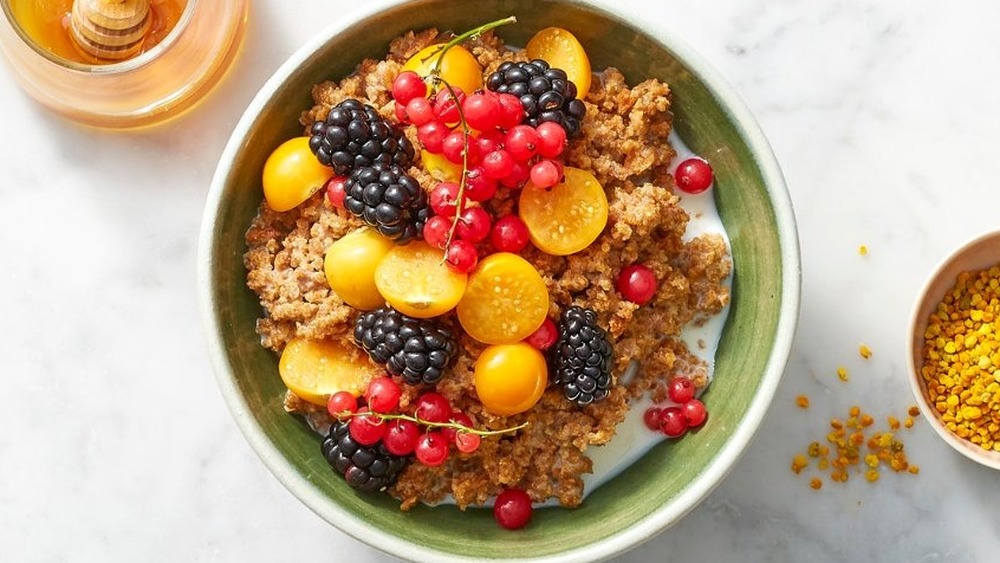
(111, 30)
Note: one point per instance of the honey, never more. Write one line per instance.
(47, 24)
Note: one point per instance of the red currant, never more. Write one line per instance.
(680, 389)
(695, 412)
(546, 173)
(467, 442)
(401, 436)
(489, 141)
(408, 85)
(431, 449)
(341, 403)
(509, 234)
(457, 417)
(551, 139)
(478, 187)
(694, 175)
(436, 231)
(521, 142)
(518, 176)
(651, 418)
(461, 255)
(512, 112)
(432, 134)
(382, 394)
(473, 224)
(446, 107)
(545, 336)
(453, 146)
(419, 111)
(335, 192)
(443, 199)
(637, 283)
(512, 509)
(673, 422)
(366, 429)
(482, 111)
(497, 164)
(399, 110)
(432, 407)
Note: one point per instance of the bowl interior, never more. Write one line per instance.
(670, 479)
(977, 254)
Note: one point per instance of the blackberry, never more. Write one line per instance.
(369, 468)
(582, 357)
(389, 199)
(546, 93)
(354, 135)
(418, 350)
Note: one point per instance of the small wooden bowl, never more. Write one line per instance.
(978, 254)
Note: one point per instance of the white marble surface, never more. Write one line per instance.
(115, 444)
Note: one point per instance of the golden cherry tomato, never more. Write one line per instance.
(350, 267)
(510, 378)
(314, 369)
(567, 217)
(458, 66)
(440, 167)
(292, 174)
(415, 280)
(505, 300)
(561, 49)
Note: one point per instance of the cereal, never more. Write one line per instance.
(961, 357)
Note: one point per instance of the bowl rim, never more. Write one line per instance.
(933, 289)
(661, 518)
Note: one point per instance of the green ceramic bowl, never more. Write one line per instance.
(650, 495)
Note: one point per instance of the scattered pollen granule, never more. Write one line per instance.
(961, 358)
(853, 445)
(865, 351)
(842, 373)
(802, 401)
(816, 483)
(863, 250)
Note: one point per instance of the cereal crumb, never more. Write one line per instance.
(865, 351)
(802, 401)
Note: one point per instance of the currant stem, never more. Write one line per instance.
(457, 426)
(474, 32)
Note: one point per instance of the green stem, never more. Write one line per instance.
(474, 32)
(457, 426)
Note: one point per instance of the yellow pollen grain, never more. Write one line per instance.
(802, 401)
(865, 351)
(863, 250)
(842, 373)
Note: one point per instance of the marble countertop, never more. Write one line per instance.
(115, 444)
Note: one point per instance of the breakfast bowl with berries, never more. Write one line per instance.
(517, 284)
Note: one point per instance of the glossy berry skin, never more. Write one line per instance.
(695, 412)
(401, 436)
(453, 148)
(637, 283)
(419, 111)
(446, 105)
(366, 429)
(497, 164)
(340, 403)
(335, 192)
(512, 509)
(546, 173)
(474, 224)
(651, 418)
(382, 395)
(509, 234)
(522, 142)
(680, 389)
(478, 187)
(482, 111)
(545, 336)
(673, 423)
(457, 417)
(511, 111)
(443, 199)
(436, 231)
(431, 135)
(466, 442)
(406, 86)
(694, 175)
(431, 449)
(462, 256)
(432, 407)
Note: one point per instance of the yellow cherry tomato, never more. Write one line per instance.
(292, 174)
(315, 369)
(505, 300)
(567, 217)
(561, 49)
(350, 267)
(510, 378)
(415, 280)
(458, 66)
(440, 167)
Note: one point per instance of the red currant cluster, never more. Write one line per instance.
(675, 420)
(427, 434)
(483, 133)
